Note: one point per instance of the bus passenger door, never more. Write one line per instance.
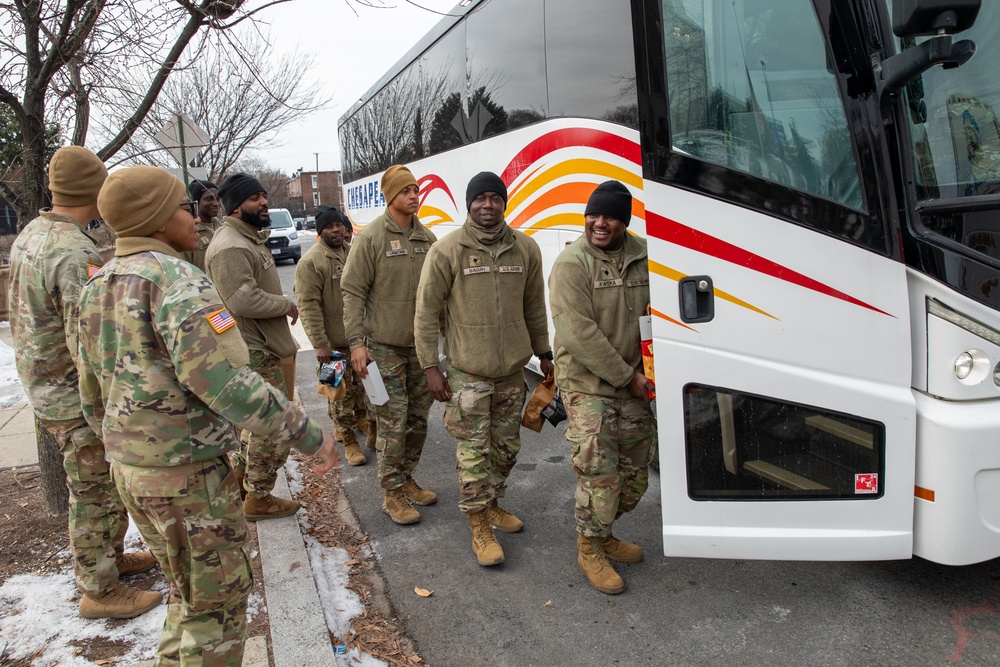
(781, 319)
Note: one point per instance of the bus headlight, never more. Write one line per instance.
(996, 375)
(963, 365)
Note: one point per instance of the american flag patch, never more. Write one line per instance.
(92, 270)
(221, 320)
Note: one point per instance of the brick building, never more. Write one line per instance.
(309, 189)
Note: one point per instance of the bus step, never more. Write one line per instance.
(841, 430)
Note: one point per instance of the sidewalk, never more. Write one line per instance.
(298, 634)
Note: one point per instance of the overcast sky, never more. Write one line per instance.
(352, 52)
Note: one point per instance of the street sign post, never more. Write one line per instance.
(177, 136)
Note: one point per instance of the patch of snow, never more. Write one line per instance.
(11, 392)
(40, 613)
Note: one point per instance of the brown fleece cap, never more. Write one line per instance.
(394, 180)
(139, 200)
(75, 176)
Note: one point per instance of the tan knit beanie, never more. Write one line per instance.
(75, 176)
(394, 180)
(139, 200)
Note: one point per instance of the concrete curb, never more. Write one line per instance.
(299, 635)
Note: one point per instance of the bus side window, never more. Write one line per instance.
(750, 89)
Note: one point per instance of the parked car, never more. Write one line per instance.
(300, 223)
(284, 239)
(310, 222)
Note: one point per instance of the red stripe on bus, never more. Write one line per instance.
(686, 237)
(429, 184)
(565, 138)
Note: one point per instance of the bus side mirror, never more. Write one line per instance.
(911, 18)
(939, 18)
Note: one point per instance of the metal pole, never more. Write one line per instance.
(180, 137)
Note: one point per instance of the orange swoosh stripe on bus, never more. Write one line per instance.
(657, 313)
(569, 137)
(674, 232)
(429, 184)
(535, 181)
(567, 193)
(675, 275)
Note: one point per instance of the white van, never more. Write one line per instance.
(284, 240)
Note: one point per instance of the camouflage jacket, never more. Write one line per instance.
(596, 310)
(380, 281)
(163, 369)
(494, 300)
(49, 263)
(243, 270)
(317, 289)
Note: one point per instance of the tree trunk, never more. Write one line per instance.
(50, 463)
(34, 193)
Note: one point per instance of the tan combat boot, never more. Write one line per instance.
(398, 507)
(352, 450)
(595, 566)
(418, 495)
(135, 562)
(119, 602)
(620, 551)
(269, 507)
(484, 542)
(503, 520)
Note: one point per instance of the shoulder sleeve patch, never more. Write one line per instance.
(221, 320)
(92, 270)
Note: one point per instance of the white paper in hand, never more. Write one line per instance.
(374, 386)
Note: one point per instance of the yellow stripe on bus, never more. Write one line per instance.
(675, 275)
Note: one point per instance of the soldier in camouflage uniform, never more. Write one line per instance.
(50, 261)
(321, 305)
(380, 288)
(598, 290)
(244, 272)
(206, 193)
(164, 376)
(486, 262)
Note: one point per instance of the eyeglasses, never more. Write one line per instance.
(192, 207)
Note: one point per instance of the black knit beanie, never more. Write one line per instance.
(612, 199)
(326, 217)
(197, 188)
(484, 181)
(236, 189)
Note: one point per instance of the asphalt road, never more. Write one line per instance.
(537, 608)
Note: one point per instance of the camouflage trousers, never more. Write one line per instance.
(350, 409)
(97, 518)
(192, 519)
(402, 421)
(261, 458)
(613, 441)
(484, 417)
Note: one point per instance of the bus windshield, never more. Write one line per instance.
(953, 124)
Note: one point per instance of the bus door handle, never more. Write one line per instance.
(697, 299)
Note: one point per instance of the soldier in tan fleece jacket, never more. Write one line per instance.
(380, 288)
(243, 271)
(487, 278)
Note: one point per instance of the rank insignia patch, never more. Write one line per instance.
(474, 260)
(221, 320)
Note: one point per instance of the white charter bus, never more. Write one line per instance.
(820, 193)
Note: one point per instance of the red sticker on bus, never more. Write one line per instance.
(866, 483)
